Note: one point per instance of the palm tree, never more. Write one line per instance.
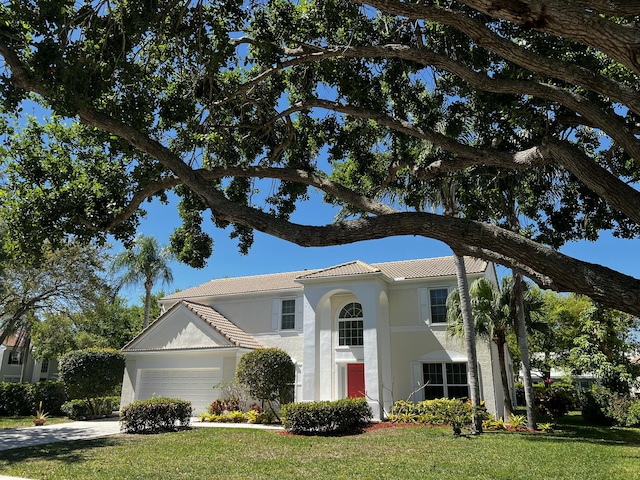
(493, 314)
(145, 262)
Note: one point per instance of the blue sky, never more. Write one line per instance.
(272, 255)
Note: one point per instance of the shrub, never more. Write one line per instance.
(221, 406)
(595, 405)
(92, 373)
(490, 423)
(52, 394)
(554, 399)
(440, 411)
(16, 399)
(312, 418)
(268, 373)
(603, 407)
(155, 415)
(81, 410)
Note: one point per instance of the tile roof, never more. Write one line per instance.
(222, 325)
(430, 267)
(230, 286)
(407, 269)
(351, 268)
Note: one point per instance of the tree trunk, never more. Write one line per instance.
(523, 344)
(508, 405)
(147, 306)
(25, 358)
(469, 342)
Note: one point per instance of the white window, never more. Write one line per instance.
(438, 304)
(288, 314)
(45, 366)
(15, 357)
(433, 305)
(445, 380)
(351, 325)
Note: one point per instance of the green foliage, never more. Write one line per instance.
(555, 399)
(490, 423)
(440, 411)
(518, 421)
(82, 410)
(52, 394)
(326, 418)
(602, 347)
(602, 406)
(92, 372)
(16, 399)
(268, 373)
(24, 398)
(155, 415)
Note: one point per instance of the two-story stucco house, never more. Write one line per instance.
(357, 329)
(17, 363)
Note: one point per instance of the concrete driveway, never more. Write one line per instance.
(60, 432)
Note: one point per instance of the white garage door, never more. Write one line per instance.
(193, 384)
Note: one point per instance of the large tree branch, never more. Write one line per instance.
(618, 8)
(560, 18)
(618, 194)
(305, 177)
(610, 123)
(510, 51)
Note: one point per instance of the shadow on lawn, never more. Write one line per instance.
(591, 434)
(68, 452)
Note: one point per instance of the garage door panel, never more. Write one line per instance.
(195, 385)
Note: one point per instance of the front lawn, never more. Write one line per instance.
(388, 453)
(17, 422)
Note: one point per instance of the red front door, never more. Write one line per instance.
(355, 380)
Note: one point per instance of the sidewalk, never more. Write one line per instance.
(61, 432)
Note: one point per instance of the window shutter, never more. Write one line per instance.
(275, 314)
(299, 312)
(423, 294)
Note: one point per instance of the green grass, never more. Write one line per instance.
(578, 452)
(17, 422)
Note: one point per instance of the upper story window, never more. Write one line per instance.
(15, 357)
(438, 303)
(45, 366)
(288, 314)
(351, 325)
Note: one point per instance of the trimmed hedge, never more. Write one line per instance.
(155, 415)
(313, 418)
(22, 399)
(93, 372)
(80, 410)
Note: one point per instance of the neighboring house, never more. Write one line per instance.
(351, 329)
(15, 366)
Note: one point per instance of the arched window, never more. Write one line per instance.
(350, 325)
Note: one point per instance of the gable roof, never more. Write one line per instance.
(222, 325)
(218, 322)
(406, 269)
